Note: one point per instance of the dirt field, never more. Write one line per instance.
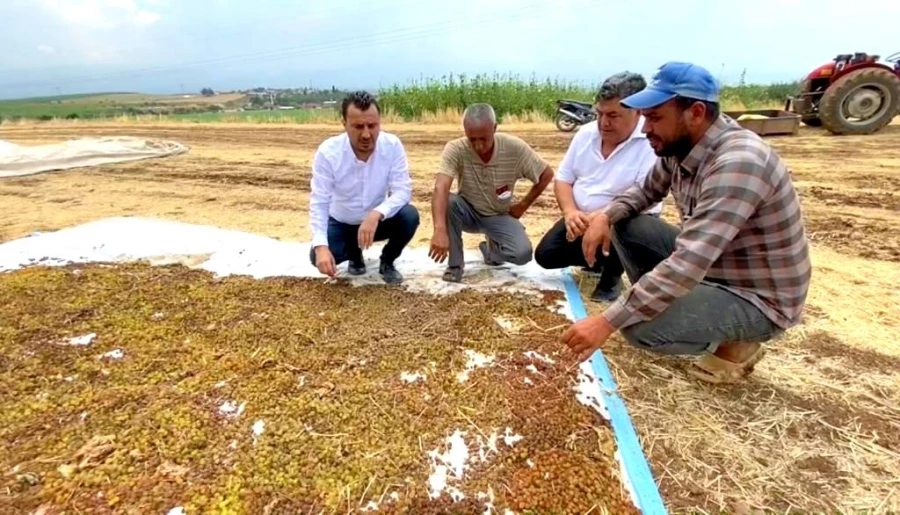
(815, 429)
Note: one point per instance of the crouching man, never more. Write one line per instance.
(737, 272)
(603, 160)
(487, 166)
(360, 194)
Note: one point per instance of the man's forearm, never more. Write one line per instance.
(538, 188)
(439, 200)
(565, 198)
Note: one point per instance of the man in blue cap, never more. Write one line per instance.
(737, 272)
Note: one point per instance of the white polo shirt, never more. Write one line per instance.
(597, 181)
(347, 189)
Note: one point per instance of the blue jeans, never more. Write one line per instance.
(398, 230)
(695, 323)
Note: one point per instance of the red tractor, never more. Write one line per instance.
(853, 94)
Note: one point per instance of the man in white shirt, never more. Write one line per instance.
(349, 204)
(603, 160)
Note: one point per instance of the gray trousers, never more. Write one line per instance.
(506, 239)
(695, 323)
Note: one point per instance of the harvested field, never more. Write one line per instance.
(288, 394)
(812, 431)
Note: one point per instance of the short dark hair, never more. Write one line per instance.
(361, 99)
(712, 108)
(621, 85)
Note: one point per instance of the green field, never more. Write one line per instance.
(427, 99)
(512, 95)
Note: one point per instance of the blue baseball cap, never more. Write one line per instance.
(675, 79)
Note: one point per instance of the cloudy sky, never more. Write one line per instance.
(158, 46)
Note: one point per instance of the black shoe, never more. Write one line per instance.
(607, 292)
(357, 266)
(390, 274)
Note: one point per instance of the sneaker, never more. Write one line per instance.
(606, 292)
(357, 266)
(390, 274)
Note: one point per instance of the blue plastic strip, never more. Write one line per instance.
(647, 492)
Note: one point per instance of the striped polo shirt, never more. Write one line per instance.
(480, 183)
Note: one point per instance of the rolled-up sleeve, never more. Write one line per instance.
(321, 186)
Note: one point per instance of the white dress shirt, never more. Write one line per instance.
(596, 180)
(347, 189)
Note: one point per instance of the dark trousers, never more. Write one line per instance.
(555, 251)
(398, 230)
(695, 323)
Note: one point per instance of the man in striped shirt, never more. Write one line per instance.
(486, 165)
(737, 273)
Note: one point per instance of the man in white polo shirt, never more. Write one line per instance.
(350, 206)
(603, 160)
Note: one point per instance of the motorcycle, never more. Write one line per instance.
(572, 113)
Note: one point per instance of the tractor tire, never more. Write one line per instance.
(832, 111)
(565, 123)
(811, 121)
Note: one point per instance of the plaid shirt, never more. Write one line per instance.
(741, 228)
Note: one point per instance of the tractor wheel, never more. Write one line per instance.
(812, 121)
(565, 123)
(861, 102)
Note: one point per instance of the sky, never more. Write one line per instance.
(50, 47)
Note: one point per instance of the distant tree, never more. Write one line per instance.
(207, 92)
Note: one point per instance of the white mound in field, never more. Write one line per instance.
(19, 160)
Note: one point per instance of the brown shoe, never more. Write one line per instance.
(713, 369)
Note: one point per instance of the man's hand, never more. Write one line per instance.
(597, 235)
(325, 261)
(576, 223)
(517, 210)
(587, 335)
(440, 245)
(366, 234)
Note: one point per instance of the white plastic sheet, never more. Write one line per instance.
(20, 160)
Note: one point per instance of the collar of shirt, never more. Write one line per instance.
(495, 149)
(348, 149)
(691, 163)
(597, 137)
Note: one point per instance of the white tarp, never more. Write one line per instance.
(18, 160)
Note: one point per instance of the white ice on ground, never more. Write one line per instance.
(510, 439)
(623, 473)
(115, 354)
(228, 252)
(537, 355)
(258, 427)
(81, 341)
(453, 460)
(229, 408)
(408, 377)
(509, 325)
(176, 511)
(588, 390)
(372, 506)
(474, 360)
